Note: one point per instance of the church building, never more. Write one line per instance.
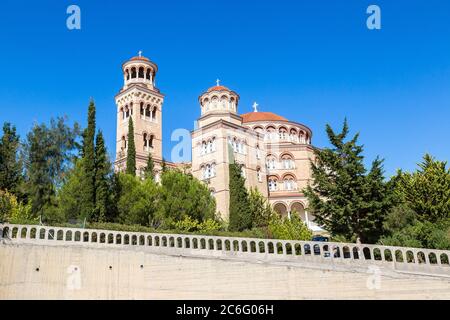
(274, 152)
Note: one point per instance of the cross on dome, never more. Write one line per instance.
(140, 53)
(255, 106)
(218, 82)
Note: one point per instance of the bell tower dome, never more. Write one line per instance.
(139, 99)
(219, 102)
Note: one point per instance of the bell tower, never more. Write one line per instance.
(140, 100)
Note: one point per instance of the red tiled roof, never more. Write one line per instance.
(140, 58)
(261, 116)
(218, 88)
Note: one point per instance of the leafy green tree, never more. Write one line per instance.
(182, 195)
(48, 151)
(260, 209)
(150, 168)
(71, 203)
(131, 151)
(88, 185)
(102, 179)
(426, 191)
(138, 200)
(10, 166)
(346, 200)
(240, 214)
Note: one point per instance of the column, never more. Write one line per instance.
(306, 218)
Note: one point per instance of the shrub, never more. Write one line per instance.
(289, 229)
(13, 211)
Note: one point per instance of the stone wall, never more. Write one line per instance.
(75, 272)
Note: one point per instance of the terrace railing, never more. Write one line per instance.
(334, 255)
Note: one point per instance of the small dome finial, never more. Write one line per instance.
(255, 106)
(140, 53)
(218, 82)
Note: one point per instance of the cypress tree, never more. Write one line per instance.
(102, 172)
(88, 163)
(10, 166)
(149, 169)
(240, 215)
(131, 151)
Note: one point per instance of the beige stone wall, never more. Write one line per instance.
(74, 272)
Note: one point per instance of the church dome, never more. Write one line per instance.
(218, 88)
(137, 58)
(261, 116)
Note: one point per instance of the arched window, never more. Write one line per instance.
(288, 162)
(123, 113)
(271, 134)
(282, 133)
(209, 146)
(258, 152)
(127, 111)
(127, 72)
(124, 143)
(147, 111)
(289, 183)
(259, 174)
(235, 145)
(293, 136)
(141, 72)
(271, 163)
(302, 137)
(142, 109)
(145, 142)
(150, 141)
(154, 114)
(147, 76)
(204, 148)
(133, 73)
(243, 172)
(272, 184)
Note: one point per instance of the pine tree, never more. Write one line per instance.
(10, 166)
(48, 151)
(131, 151)
(102, 173)
(240, 215)
(150, 168)
(88, 165)
(346, 200)
(426, 191)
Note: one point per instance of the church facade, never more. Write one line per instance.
(274, 152)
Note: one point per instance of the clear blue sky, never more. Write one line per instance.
(312, 61)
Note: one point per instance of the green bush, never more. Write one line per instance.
(13, 211)
(191, 225)
(289, 229)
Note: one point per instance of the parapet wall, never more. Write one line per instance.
(68, 263)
